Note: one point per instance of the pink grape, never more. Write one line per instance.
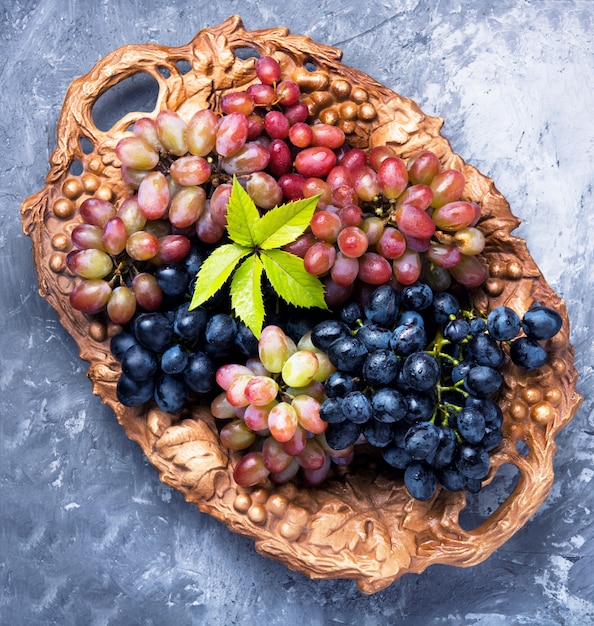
(300, 135)
(414, 221)
(136, 153)
(90, 296)
(255, 126)
(374, 269)
(296, 444)
(142, 245)
(353, 158)
(287, 93)
(407, 267)
(250, 470)
(391, 244)
(301, 245)
(207, 229)
(129, 212)
(220, 407)
(89, 263)
(454, 216)
(227, 373)
(263, 190)
(187, 206)
(256, 417)
(312, 457)
(292, 186)
(236, 435)
(114, 236)
(268, 70)
(255, 366)
(300, 368)
(261, 390)
(378, 154)
(392, 176)
(274, 348)
(470, 272)
(153, 196)
(338, 176)
(297, 112)
(121, 306)
(326, 135)
(366, 183)
(87, 236)
(419, 195)
(373, 227)
(352, 242)
(275, 458)
(96, 211)
(276, 125)
(351, 215)
(418, 244)
(218, 204)
(132, 177)
(319, 258)
(280, 478)
(315, 477)
(443, 255)
(236, 390)
(326, 225)
(316, 161)
(172, 249)
(231, 134)
(190, 170)
(282, 422)
(316, 186)
(423, 167)
(315, 389)
(281, 159)
(344, 196)
(172, 131)
(308, 414)
(261, 94)
(447, 186)
(336, 294)
(470, 241)
(345, 270)
(148, 294)
(146, 128)
(250, 157)
(237, 102)
(202, 132)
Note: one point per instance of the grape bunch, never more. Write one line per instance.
(416, 376)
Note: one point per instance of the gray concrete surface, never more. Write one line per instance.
(88, 534)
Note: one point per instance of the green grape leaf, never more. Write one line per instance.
(291, 281)
(242, 216)
(215, 271)
(283, 224)
(246, 294)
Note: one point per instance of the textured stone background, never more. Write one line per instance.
(88, 535)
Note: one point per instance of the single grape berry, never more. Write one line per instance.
(420, 481)
(503, 323)
(528, 353)
(420, 371)
(541, 322)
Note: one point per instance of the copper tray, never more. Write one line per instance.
(361, 524)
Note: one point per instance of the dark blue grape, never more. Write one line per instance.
(488, 407)
(327, 332)
(378, 434)
(347, 354)
(527, 353)
(339, 383)
(396, 456)
(171, 395)
(421, 440)
(173, 280)
(493, 437)
(331, 411)
(420, 406)
(245, 341)
(154, 330)
(199, 374)
(446, 448)
(473, 462)
(388, 405)
(351, 313)
(456, 330)
(174, 360)
(356, 407)
(420, 371)
(139, 363)
(420, 481)
(460, 371)
(407, 339)
(381, 306)
(221, 330)
(194, 259)
(483, 381)
(477, 326)
(374, 337)
(451, 479)
(444, 305)
(503, 323)
(410, 317)
(342, 435)
(541, 322)
(486, 351)
(190, 325)
(298, 325)
(471, 425)
(380, 368)
(120, 343)
(416, 297)
(130, 392)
